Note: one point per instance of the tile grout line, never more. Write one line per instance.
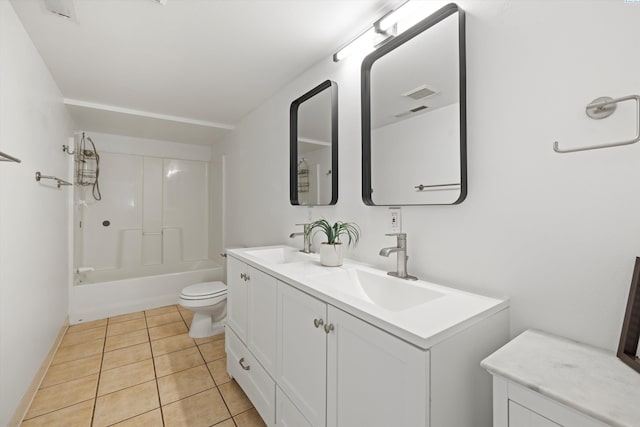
(155, 373)
(82, 330)
(74, 379)
(95, 399)
(211, 375)
(102, 355)
(63, 382)
(216, 384)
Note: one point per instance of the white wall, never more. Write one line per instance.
(557, 233)
(33, 216)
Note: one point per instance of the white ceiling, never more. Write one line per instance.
(204, 61)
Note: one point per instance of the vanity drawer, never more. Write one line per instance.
(251, 376)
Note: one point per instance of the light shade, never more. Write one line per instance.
(363, 44)
(390, 25)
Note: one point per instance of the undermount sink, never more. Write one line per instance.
(283, 255)
(383, 291)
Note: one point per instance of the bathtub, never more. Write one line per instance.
(104, 293)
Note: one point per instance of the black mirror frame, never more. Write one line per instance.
(367, 63)
(293, 141)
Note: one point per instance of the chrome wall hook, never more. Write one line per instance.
(601, 108)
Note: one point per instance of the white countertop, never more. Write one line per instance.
(423, 325)
(590, 380)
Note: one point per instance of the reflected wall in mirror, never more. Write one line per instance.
(313, 163)
(414, 115)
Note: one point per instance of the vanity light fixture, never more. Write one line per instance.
(390, 25)
(363, 43)
(403, 18)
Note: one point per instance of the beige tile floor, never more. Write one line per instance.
(140, 369)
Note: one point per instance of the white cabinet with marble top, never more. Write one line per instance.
(540, 380)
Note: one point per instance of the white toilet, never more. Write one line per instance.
(208, 301)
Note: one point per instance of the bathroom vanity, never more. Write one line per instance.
(540, 380)
(350, 346)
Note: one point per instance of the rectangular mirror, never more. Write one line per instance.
(414, 115)
(313, 164)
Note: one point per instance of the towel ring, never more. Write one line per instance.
(601, 108)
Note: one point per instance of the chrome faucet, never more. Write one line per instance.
(307, 238)
(401, 250)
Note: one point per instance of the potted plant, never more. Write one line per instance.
(331, 251)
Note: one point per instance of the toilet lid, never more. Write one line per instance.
(204, 290)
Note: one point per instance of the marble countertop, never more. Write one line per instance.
(590, 380)
(422, 325)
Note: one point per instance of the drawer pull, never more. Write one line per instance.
(328, 328)
(241, 362)
(318, 322)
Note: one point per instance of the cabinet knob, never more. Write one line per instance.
(318, 322)
(328, 328)
(243, 276)
(241, 362)
(247, 277)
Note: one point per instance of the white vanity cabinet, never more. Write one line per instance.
(237, 296)
(323, 362)
(341, 371)
(251, 334)
(256, 382)
(287, 415)
(373, 378)
(251, 310)
(302, 352)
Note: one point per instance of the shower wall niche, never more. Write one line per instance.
(154, 210)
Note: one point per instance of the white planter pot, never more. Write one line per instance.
(331, 255)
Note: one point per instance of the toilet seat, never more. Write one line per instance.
(208, 302)
(205, 290)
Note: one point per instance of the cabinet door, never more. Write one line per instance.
(302, 352)
(237, 297)
(261, 329)
(519, 416)
(287, 415)
(374, 378)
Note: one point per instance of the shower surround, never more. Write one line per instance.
(149, 236)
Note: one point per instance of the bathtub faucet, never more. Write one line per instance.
(307, 238)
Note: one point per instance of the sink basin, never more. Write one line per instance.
(383, 291)
(282, 255)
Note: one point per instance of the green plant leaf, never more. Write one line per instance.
(333, 232)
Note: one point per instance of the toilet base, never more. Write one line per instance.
(202, 326)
